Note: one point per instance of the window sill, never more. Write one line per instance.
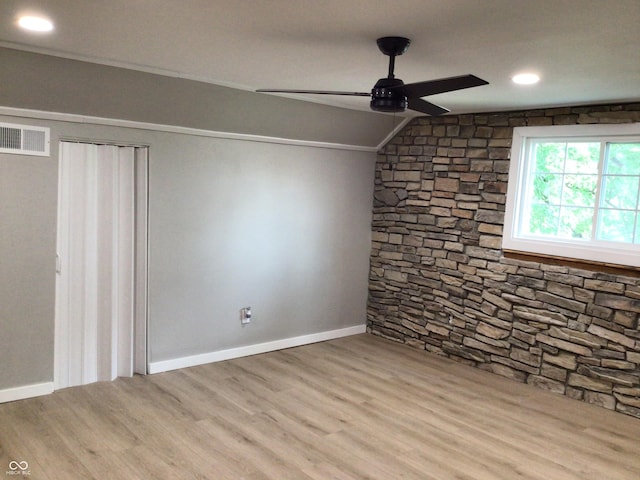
(594, 266)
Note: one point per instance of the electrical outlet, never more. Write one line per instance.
(245, 315)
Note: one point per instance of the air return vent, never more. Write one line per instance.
(24, 139)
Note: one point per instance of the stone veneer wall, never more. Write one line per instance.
(439, 280)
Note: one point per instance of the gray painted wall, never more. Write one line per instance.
(43, 82)
(234, 224)
(284, 229)
(28, 197)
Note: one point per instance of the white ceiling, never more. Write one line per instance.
(586, 51)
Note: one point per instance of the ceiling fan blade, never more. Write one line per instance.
(423, 106)
(314, 92)
(442, 85)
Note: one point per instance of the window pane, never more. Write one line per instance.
(582, 157)
(547, 188)
(623, 159)
(543, 220)
(574, 191)
(575, 223)
(616, 225)
(579, 190)
(620, 192)
(549, 157)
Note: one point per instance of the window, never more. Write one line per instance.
(574, 191)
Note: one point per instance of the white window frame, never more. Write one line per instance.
(591, 251)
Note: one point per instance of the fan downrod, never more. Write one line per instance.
(384, 97)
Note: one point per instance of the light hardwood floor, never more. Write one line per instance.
(354, 408)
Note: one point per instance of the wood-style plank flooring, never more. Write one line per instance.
(355, 408)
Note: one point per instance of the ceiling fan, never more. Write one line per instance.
(391, 94)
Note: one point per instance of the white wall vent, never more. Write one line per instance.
(24, 139)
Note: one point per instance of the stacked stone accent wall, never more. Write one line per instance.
(439, 280)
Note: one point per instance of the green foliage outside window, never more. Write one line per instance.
(570, 193)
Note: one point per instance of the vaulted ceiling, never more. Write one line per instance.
(585, 51)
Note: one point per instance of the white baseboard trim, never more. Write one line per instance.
(26, 391)
(194, 360)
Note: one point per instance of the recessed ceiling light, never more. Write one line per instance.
(526, 78)
(35, 24)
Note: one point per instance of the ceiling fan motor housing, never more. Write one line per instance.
(387, 99)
